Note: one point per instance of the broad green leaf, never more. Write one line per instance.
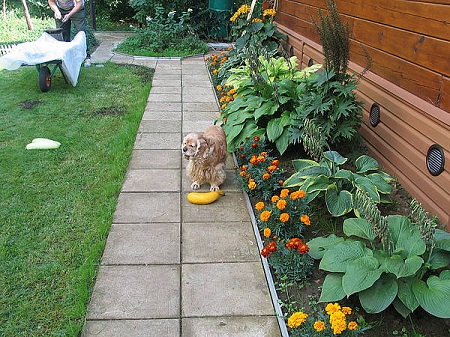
(403, 268)
(338, 256)
(332, 290)
(268, 108)
(282, 142)
(274, 129)
(367, 186)
(318, 246)
(345, 174)
(382, 184)
(365, 163)
(442, 239)
(338, 202)
(334, 157)
(360, 228)
(319, 183)
(301, 164)
(407, 238)
(406, 294)
(380, 295)
(439, 259)
(360, 274)
(434, 295)
(401, 307)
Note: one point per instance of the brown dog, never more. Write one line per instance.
(207, 154)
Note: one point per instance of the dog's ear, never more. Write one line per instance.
(202, 147)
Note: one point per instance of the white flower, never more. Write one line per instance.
(189, 10)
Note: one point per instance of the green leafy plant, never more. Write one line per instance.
(164, 35)
(331, 104)
(407, 274)
(338, 184)
(265, 102)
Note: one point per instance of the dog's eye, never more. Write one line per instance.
(191, 145)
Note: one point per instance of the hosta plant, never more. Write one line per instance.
(265, 103)
(337, 184)
(404, 272)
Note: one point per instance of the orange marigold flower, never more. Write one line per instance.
(284, 217)
(244, 167)
(275, 162)
(281, 204)
(261, 159)
(284, 193)
(215, 71)
(267, 232)
(259, 206)
(252, 185)
(298, 194)
(271, 168)
(266, 176)
(347, 310)
(293, 243)
(305, 219)
(297, 319)
(223, 106)
(264, 153)
(319, 326)
(256, 138)
(275, 198)
(303, 248)
(265, 215)
(332, 308)
(254, 145)
(352, 325)
(242, 173)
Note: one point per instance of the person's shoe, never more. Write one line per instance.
(87, 62)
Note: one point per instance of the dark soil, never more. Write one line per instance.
(29, 104)
(144, 73)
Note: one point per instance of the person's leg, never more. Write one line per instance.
(66, 26)
(80, 24)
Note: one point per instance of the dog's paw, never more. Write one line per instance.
(195, 185)
(214, 188)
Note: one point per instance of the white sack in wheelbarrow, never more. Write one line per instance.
(46, 49)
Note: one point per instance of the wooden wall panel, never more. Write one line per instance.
(409, 46)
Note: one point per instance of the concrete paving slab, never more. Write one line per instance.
(230, 184)
(147, 62)
(166, 90)
(143, 244)
(152, 141)
(162, 106)
(121, 58)
(142, 159)
(219, 242)
(135, 292)
(161, 114)
(257, 326)
(194, 115)
(158, 125)
(202, 106)
(166, 83)
(154, 97)
(167, 77)
(147, 207)
(205, 97)
(196, 126)
(152, 180)
(243, 290)
(218, 211)
(132, 328)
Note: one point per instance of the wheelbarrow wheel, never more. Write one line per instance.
(45, 79)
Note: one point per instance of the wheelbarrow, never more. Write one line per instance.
(49, 53)
(43, 69)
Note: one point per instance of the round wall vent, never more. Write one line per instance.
(435, 159)
(310, 62)
(375, 114)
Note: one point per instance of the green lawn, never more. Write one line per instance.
(56, 206)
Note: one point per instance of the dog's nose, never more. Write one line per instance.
(184, 149)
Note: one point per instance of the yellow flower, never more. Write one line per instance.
(319, 326)
(352, 325)
(275, 198)
(331, 307)
(269, 12)
(259, 205)
(347, 310)
(267, 232)
(284, 217)
(338, 321)
(305, 219)
(297, 319)
(281, 204)
(219, 87)
(297, 194)
(252, 185)
(284, 193)
(265, 215)
(256, 20)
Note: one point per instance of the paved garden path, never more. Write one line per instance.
(171, 268)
